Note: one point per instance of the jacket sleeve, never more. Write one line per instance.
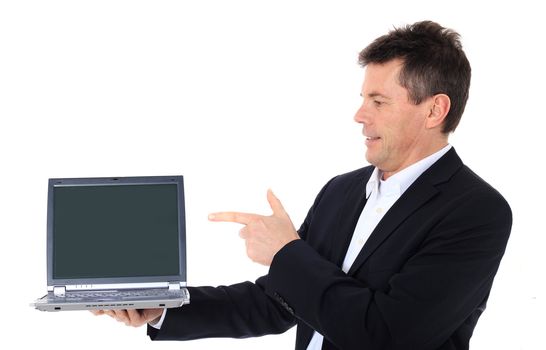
(237, 311)
(445, 280)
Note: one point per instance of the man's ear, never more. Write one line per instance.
(440, 105)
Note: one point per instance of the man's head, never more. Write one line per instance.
(433, 63)
(415, 89)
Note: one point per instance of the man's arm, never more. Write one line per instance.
(238, 311)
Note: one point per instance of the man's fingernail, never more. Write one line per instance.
(211, 216)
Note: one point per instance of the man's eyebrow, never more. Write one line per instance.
(375, 94)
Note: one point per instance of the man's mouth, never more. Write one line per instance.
(371, 140)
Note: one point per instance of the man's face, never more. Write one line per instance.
(394, 127)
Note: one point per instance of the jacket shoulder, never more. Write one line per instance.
(470, 182)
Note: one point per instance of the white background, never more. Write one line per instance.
(240, 96)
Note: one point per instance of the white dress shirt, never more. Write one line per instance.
(381, 195)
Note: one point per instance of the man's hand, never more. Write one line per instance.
(264, 235)
(133, 318)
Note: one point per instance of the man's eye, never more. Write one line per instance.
(377, 103)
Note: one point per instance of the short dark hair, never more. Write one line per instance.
(433, 63)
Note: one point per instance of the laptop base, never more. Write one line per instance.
(107, 300)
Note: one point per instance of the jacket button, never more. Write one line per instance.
(289, 309)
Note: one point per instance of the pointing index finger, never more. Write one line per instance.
(240, 218)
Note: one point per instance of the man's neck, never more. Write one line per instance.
(424, 154)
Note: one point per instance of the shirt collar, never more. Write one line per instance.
(373, 182)
(398, 183)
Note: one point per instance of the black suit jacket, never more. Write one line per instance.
(420, 282)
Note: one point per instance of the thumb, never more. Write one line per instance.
(275, 204)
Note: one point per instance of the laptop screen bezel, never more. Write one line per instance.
(81, 283)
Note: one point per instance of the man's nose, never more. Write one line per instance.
(361, 115)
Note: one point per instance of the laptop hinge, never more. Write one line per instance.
(59, 291)
(174, 285)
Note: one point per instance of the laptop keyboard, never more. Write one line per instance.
(121, 294)
(118, 293)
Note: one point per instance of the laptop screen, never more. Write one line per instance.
(123, 229)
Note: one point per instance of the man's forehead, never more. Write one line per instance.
(379, 77)
(383, 71)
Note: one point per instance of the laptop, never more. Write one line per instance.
(115, 243)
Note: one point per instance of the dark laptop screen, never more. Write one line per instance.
(102, 231)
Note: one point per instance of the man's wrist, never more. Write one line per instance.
(158, 322)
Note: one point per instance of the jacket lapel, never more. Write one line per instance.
(348, 216)
(420, 192)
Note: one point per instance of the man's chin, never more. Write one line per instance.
(370, 158)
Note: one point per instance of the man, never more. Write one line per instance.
(397, 255)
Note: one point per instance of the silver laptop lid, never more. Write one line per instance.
(115, 231)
